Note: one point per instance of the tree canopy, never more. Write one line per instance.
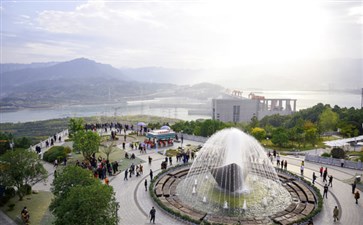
(328, 120)
(81, 199)
(75, 125)
(259, 133)
(19, 168)
(86, 142)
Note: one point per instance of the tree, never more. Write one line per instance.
(5, 140)
(23, 142)
(254, 122)
(348, 130)
(337, 153)
(328, 120)
(75, 125)
(280, 137)
(86, 142)
(108, 149)
(69, 177)
(20, 168)
(311, 136)
(82, 199)
(259, 133)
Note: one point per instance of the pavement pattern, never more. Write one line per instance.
(135, 202)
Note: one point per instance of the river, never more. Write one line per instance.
(173, 107)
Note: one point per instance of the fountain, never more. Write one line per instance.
(205, 199)
(233, 181)
(194, 191)
(225, 205)
(240, 174)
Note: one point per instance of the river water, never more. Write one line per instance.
(305, 99)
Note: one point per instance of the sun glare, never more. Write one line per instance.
(254, 32)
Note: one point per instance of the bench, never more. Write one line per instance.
(159, 190)
(308, 193)
(167, 186)
(299, 192)
(308, 209)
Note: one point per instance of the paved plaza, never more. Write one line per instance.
(135, 202)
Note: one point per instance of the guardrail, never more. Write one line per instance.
(334, 162)
(195, 138)
(43, 144)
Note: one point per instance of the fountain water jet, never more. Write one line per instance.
(234, 171)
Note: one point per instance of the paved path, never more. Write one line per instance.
(135, 202)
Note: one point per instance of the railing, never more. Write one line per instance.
(334, 162)
(43, 144)
(195, 138)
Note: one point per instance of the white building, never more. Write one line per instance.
(243, 109)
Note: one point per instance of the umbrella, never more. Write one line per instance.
(165, 128)
(141, 124)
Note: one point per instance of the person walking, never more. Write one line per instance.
(321, 171)
(285, 164)
(145, 183)
(126, 171)
(354, 186)
(356, 196)
(151, 175)
(325, 174)
(326, 188)
(152, 214)
(336, 214)
(314, 177)
(302, 170)
(342, 162)
(330, 181)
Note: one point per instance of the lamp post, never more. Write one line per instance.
(181, 139)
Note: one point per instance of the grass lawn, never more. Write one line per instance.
(117, 155)
(37, 205)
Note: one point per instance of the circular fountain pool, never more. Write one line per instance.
(233, 181)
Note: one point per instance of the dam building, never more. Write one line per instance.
(236, 108)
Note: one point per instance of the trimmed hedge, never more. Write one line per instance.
(56, 152)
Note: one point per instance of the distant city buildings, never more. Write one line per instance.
(235, 108)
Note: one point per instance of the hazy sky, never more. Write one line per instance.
(180, 34)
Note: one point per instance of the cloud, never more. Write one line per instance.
(93, 16)
(357, 13)
(187, 34)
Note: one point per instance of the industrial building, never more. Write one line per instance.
(236, 108)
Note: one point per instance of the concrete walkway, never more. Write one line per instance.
(135, 202)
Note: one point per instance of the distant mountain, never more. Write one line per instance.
(75, 81)
(83, 81)
(8, 67)
(77, 69)
(163, 75)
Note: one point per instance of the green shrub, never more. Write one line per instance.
(67, 150)
(56, 152)
(4, 200)
(10, 191)
(11, 207)
(325, 154)
(338, 153)
(26, 189)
